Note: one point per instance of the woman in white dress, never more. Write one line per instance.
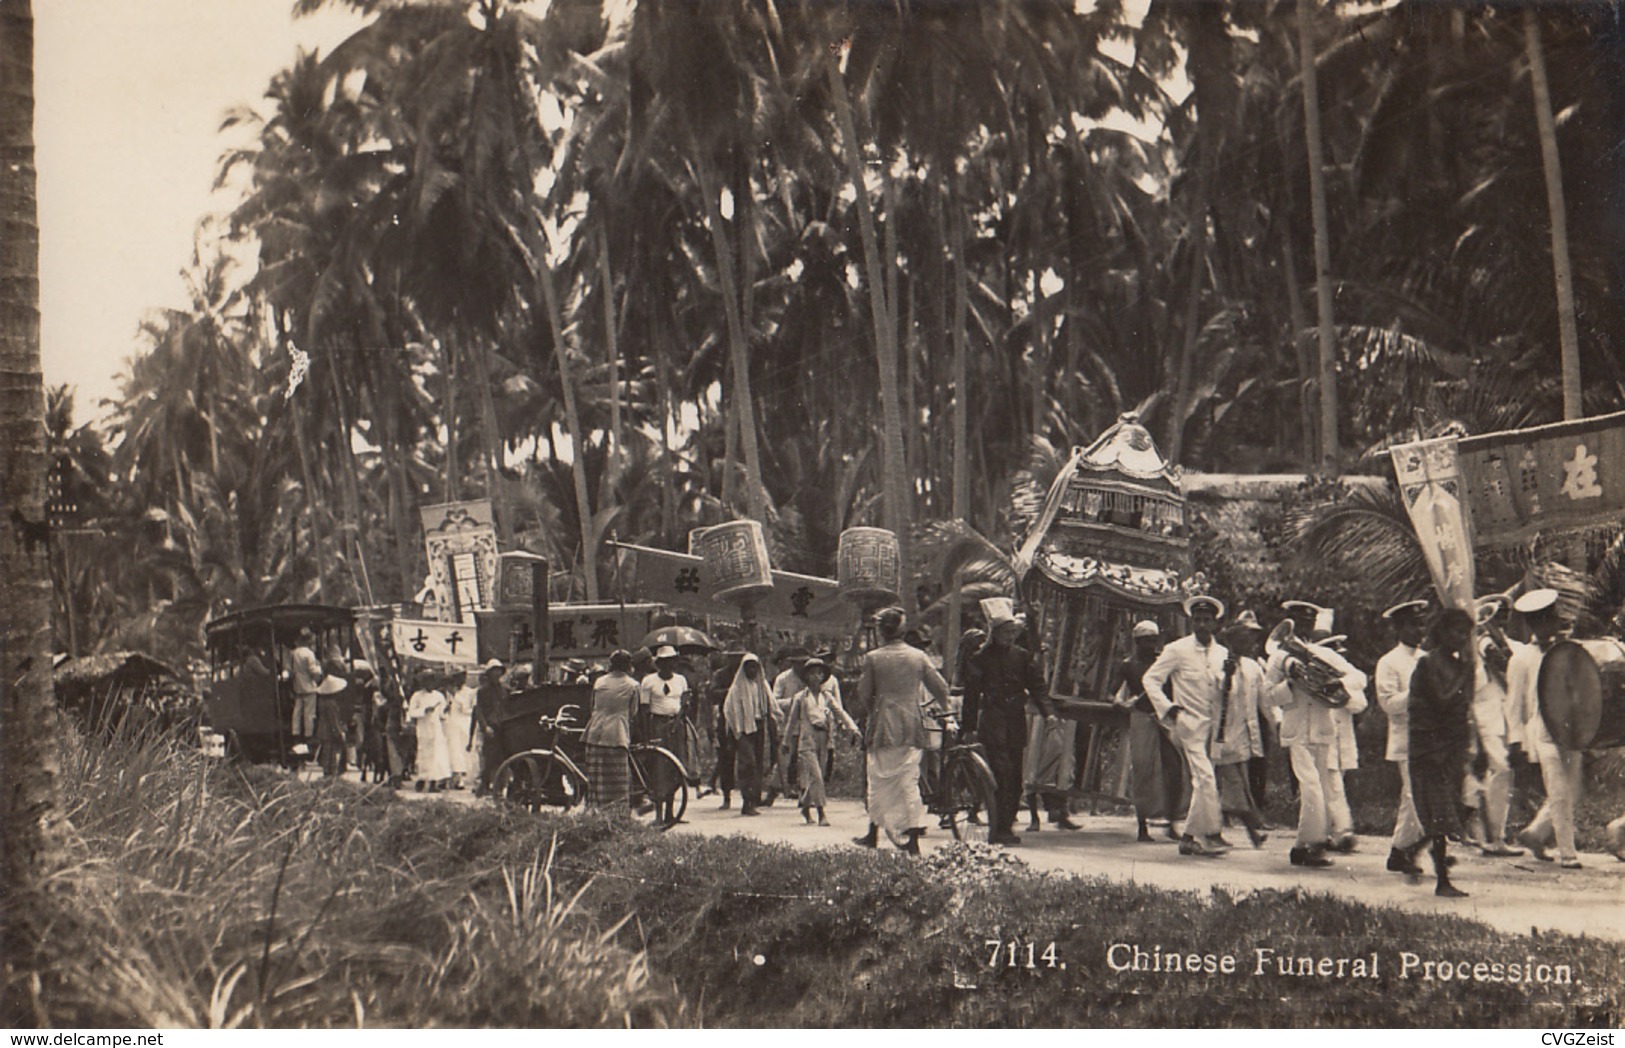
(426, 712)
(461, 738)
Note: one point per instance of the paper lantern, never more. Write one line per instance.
(736, 561)
(868, 566)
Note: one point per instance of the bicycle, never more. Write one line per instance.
(547, 777)
(645, 759)
(550, 777)
(960, 786)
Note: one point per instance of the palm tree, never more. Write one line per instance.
(28, 803)
(1562, 273)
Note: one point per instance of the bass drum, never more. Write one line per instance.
(1582, 693)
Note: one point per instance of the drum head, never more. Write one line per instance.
(1570, 690)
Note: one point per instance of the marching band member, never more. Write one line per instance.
(1393, 677)
(1309, 731)
(1239, 737)
(1194, 666)
(1345, 756)
(1560, 768)
(1494, 787)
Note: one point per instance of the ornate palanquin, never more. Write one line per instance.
(1109, 547)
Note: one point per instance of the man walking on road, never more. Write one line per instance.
(1394, 672)
(1192, 668)
(1000, 681)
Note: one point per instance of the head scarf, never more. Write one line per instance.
(748, 700)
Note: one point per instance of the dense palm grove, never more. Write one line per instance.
(628, 270)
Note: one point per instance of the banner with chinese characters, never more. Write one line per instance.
(1430, 481)
(587, 631)
(800, 604)
(1564, 478)
(453, 643)
(460, 540)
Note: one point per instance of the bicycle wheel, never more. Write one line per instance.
(651, 768)
(538, 779)
(967, 798)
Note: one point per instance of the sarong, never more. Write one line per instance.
(1235, 791)
(607, 776)
(1436, 792)
(1047, 762)
(670, 733)
(1156, 770)
(812, 747)
(894, 790)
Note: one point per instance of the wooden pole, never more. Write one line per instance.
(538, 620)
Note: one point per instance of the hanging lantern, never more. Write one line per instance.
(868, 567)
(736, 560)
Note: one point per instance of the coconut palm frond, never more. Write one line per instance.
(954, 548)
(1030, 485)
(1367, 532)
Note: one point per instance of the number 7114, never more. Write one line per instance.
(1017, 954)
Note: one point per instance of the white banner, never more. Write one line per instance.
(1430, 482)
(453, 643)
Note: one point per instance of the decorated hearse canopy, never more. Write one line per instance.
(1114, 521)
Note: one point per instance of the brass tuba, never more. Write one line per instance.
(1315, 671)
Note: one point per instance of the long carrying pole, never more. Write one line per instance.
(538, 620)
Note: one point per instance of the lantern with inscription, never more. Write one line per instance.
(868, 567)
(736, 561)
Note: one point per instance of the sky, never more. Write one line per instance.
(129, 101)
(130, 96)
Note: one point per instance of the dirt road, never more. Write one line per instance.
(1514, 894)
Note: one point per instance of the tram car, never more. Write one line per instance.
(249, 700)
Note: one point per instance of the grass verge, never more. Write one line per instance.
(215, 895)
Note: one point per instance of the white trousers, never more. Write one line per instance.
(1561, 770)
(1407, 825)
(1493, 793)
(1309, 768)
(1205, 818)
(1339, 818)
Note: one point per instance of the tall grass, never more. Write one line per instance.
(203, 894)
(206, 894)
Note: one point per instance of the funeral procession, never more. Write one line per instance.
(813, 514)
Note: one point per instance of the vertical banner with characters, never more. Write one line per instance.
(1430, 481)
(460, 540)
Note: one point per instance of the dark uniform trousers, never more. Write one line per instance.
(1002, 730)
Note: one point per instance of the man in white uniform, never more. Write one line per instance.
(1309, 731)
(1344, 756)
(1560, 768)
(1192, 668)
(1494, 787)
(1393, 677)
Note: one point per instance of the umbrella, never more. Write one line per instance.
(680, 637)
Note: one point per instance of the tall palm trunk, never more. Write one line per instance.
(491, 431)
(28, 810)
(738, 346)
(1298, 321)
(308, 479)
(961, 423)
(1562, 270)
(453, 471)
(612, 461)
(348, 483)
(572, 419)
(1329, 453)
(894, 476)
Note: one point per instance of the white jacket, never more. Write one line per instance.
(1393, 678)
